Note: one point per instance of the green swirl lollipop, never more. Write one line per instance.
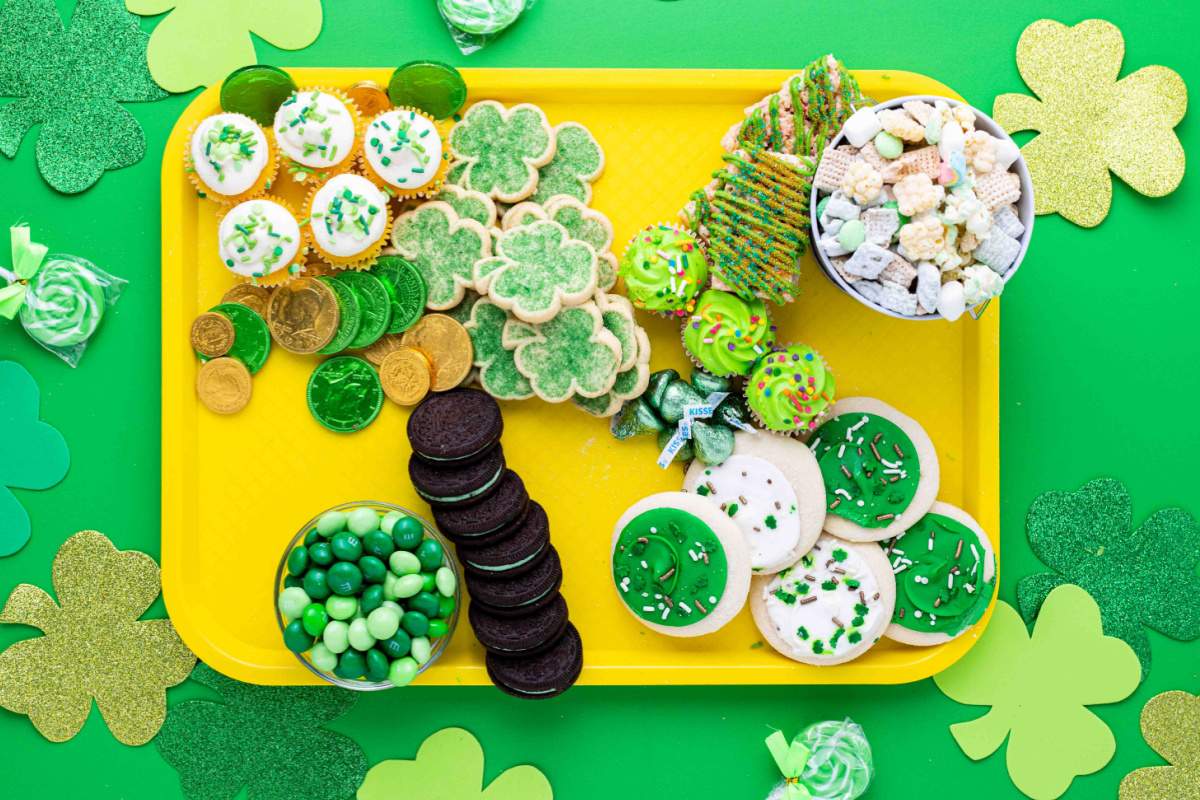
(64, 302)
(830, 760)
(481, 17)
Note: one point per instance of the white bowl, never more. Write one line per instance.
(1024, 209)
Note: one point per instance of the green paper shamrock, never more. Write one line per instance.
(537, 270)
(35, 455)
(502, 149)
(498, 373)
(449, 766)
(1140, 578)
(468, 204)
(1039, 687)
(578, 160)
(95, 645)
(267, 740)
(572, 354)
(202, 41)
(1171, 726)
(444, 248)
(73, 81)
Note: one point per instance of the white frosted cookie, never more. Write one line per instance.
(828, 608)
(880, 469)
(945, 568)
(680, 566)
(771, 488)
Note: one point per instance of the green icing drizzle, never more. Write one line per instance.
(669, 567)
(939, 565)
(664, 270)
(870, 467)
(727, 334)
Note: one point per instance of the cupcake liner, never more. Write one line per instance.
(360, 261)
(430, 189)
(682, 314)
(304, 174)
(257, 189)
(297, 266)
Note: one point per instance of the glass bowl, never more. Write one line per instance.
(448, 560)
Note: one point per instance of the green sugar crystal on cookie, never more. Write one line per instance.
(498, 373)
(617, 313)
(572, 354)
(578, 161)
(469, 204)
(538, 269)
(591, 226)
(502, 149)
(444, 248)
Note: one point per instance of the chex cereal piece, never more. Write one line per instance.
(919, 109)
(899, 271)
(926, 160)
(1006, 219)
(998, 250)
(869, 260)
(830, 244)
(839, 207)
(881, 225)
(897, 298)
(840, 265)
(832, 168)
(929, 286)
(869, 154)
(872, 290)
(995, 189)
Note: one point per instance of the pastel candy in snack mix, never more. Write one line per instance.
(538, 269)
(502, 149)
(444, 248)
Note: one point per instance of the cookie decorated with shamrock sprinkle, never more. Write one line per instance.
(498, 373)
(572, 354)
(577, 163)
(444, 248)
(502, 149)
(468, 204)
(587, 225)
(538, 270)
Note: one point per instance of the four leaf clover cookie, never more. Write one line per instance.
(1170, 725)
(444, 248)
(578, 161)
(538, 269)
(501, 149)
(572, 354)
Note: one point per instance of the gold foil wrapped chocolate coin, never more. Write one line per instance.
(223, 385)
(212, 334)
(303, 315)
(406, 375)
(447, 345)
(253, 297)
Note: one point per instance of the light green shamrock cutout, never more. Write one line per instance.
(468, 204)
(444, 248)
(578, 160)
(201, 41)
(455, 173)
(537, 270)
(591, 226)
(449, 766)
(502, 149)
(572, 354)
(1171, 726)
(498, 373)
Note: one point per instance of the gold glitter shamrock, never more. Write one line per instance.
(450, 763)
(1089, 122)
(1170, 725)
(202, 41)
(95, 645)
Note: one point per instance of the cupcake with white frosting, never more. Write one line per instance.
(402, 150)
(230, 159)
(348, 221)
(261, 241)
(317, 131)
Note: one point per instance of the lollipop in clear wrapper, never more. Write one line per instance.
(830, 760)
(474, 23)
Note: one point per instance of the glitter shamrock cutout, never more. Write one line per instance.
(1089, 122)
(1143, 578)
(35, 455)
(1039, 687)
(498, 373)
(501, 149)
(1171, 726)
(537, 270)
(256, 736)
(452, 761)
(94, 645)
(72, 81)
(578, 161)
(201, 41)
(572, 354)
(444, 248)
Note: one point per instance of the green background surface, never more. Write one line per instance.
(1099, 372)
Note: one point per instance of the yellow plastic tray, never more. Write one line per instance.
(236, 488)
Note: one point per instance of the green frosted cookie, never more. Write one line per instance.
(455, 173)
(578, 161)
(538, 269)
(572, 354)
(468, 204)
(444, 248)
(498, 373)
(502, 149)
(591, 226)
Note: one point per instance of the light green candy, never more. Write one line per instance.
(481, 17)
(322, 657)
(446, 582)
(64, 302)
(360, 636)
(389, 587)
(394, 606)
(389, 521)
(331, 522)
(887, 145)
(383, 623)
(852, 234)
(292, 602)
(402, 671)
(403, 562)
(421, 650)
(341, 607)
(933, 129)
(363, 520)
(336, 636)
(409, 585)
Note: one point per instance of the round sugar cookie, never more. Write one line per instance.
(771, 487)
(945, 569)
(681, 566)
(829, 607)
(879, 466)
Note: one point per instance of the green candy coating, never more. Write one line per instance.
(349, 316)
(336, 636)
(416, 623)
(351, 665)
(383, 623)
(362, 521)
(372, 598)
(314, 619)
(323, 658)
(402, 671)
(375, 307)
(428, 581)
(320, 554)
(437, 89)
(346, 547)
(446, 607)
(409, 295)
(344, 578)
(296, 638)
(408, 586)
(421, 650)
(377, 666)
(251, 336)
(340, 607)
(292, 602)
(407, 533)
(389, 520)
(402, 562)
(446, 582)
(312, 537)
(389, 587)
(297, 562)
(292, 582)
(373, 569)
(394, 606)
(398, 646)
(256, 91)
(438, 628)
(425, 603)
(430, 554)
(359, 635)
(316, 583)
(378, 544)
(331, 522)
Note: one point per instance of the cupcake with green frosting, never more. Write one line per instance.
(726, 334)
(791, 389)
(664, 270)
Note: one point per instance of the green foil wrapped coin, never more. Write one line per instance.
(344, 394)
(375, 304)
(349, 316)
(256, 91)
(251, 336)
(409, 292)
(431, 86)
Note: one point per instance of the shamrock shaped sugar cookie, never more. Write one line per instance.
(94, 645)
(634, 377)
(502, 149)
(468, 204)
(498, 373)
(1089, 122)
(537, 270)
(1141, 578)
(444, 248)
(1171, 726)
(572, 354)
(591, 226)
(578, 161)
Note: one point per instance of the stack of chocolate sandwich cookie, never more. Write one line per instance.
(513, 573)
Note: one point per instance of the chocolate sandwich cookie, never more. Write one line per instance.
(459, 425)
(541, 676)
(523, 594)
(514, 554)
(505, 504)
(526, 635)
(453, 484)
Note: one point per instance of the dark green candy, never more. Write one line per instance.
(409, 292)
(292, 580)
(398, 646)
(349, 316)
(374, 570)
(315, 618)
(438, 628)
(706, 383)
(345, 578)
(344, 394)
(445, 607)
(678, 396)
(428, 581)
(375, 305)
(415, 623)
(378, 544)
(298, 561)
(316, 583)
(320, 554)
(634, 419)
(712, 444)
(295, 638)
(429, 553)
(425, 603)
(251, 336)
(685, 453)
(351, 665)
(312, 536)
(256, 91)
(372, 598)
(407, 534)
(377, 666)
(437, 89)
(659, 381)
(346, 546)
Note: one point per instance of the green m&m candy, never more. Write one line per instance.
(296, 638)
(430, 553)
(397, 646)
(339, 607)
(362, 520)
(320, 554)
(331, 522)
(415, 623)
(437, 89)
(428, 581)
(383, 623)
(402, 671)
(402, 562)
(377, 666)
(438, 628)
(312, 537)
(291, 581)
(316, 583)
(372, 598)
(297, 561)
(344, 578)
(323, 658)
(378, 544)
(446, 607)
(360, 635)
(315, 618)
(256, 91)
(336, 636)
(407, 533)
(424, 602)
(351, 665)
(408, 586)
(292, 602)
(346, 546)
(373, 570)
(446, 582)
(421, 650)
